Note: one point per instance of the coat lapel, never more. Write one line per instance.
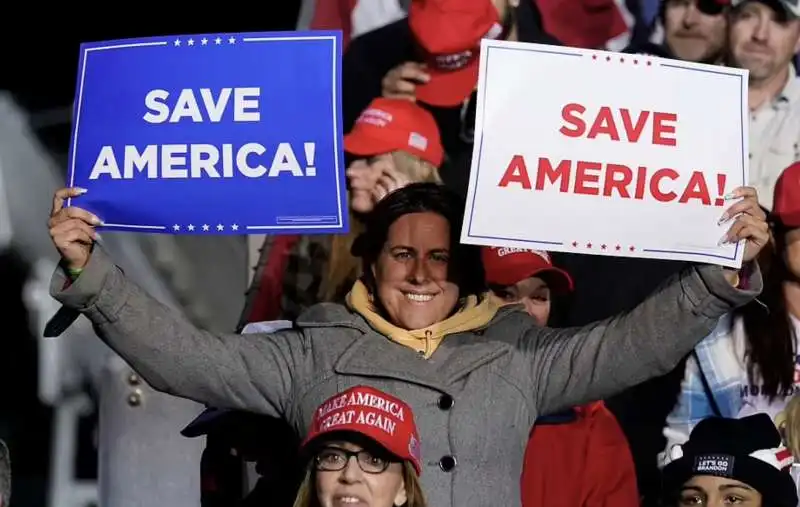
(374, 355)
(463, 353)
(466, 352)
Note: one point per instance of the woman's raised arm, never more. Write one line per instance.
(254, 372)
(575, 366)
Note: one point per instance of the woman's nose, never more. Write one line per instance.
(419, 272)
(352, 172)
(352, 472)
(356, 168)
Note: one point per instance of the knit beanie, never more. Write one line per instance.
(747, 450)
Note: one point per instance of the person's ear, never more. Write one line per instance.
(402, 497)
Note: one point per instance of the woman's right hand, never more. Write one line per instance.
(372, 181)
(401, 82)
(390, 180)
(72, 229)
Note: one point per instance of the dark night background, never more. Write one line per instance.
(39, 45)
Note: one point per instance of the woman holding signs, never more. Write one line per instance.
(393, 143)
(418, 325)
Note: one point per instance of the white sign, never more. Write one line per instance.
(606, 153)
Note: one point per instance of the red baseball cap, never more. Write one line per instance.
(449, 34)
(383, 418)
(786, 202)
(395, 124)
(507, 266)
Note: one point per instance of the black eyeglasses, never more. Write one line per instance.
(334, 459)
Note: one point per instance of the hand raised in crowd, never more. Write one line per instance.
(750, 223)
(401, 82)
(389, 180)
(372, 181)
(72, 229)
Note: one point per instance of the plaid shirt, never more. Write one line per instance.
(302, 278)
(305, 269)
(717, 358)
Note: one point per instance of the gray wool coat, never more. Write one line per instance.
(474, 400)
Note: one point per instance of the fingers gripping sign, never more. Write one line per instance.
(72, 229)
(749, 223)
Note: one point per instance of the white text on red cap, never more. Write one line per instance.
(453, 61)
(502, 252)
(361, 417)
(375, 116)
(363, 400)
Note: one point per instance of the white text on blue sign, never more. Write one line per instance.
(183, 161)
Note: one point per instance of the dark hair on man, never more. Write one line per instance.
(5, 475)
(466, 268)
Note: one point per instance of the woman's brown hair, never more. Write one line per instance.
(768, 328)
(343, 268)
(307, 494)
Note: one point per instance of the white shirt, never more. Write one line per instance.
(775, 138)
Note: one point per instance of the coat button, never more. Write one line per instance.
(446, 402)
(135, 398)
(447, 463)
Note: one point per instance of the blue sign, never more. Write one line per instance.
(212, 134)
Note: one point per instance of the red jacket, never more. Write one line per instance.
(579, 459)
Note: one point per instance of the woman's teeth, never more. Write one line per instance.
(419, 298)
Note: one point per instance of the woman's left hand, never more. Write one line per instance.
(750, 225)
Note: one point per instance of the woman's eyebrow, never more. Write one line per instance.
(737, 486)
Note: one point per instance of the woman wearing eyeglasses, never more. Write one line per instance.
(363, 450)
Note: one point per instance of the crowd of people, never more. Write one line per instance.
(395, 366)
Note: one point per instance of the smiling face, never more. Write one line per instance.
(352, 486)
(411, 272)
(710, 491)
